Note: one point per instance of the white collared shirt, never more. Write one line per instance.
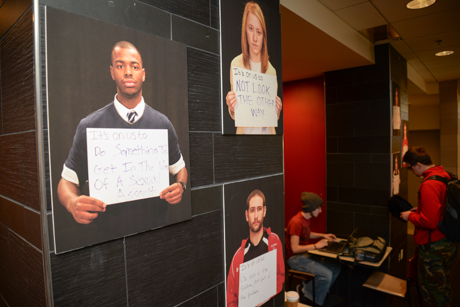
(123, 111)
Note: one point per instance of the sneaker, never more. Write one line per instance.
(302, 298)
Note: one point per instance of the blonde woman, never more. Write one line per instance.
(254, 57)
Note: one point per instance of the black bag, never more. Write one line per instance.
(397, 204)
(367, 249)
(450, 223)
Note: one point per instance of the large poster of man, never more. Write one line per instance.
(118, 130)
(254, 236)
(251, 67)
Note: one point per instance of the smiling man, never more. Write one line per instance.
(127, 111)
(261, 240)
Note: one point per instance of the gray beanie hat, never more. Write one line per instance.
(311, 201)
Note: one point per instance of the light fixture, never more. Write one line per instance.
(419, 4)
(444, 53)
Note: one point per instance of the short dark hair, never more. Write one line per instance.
(256, 192)
(125, 45)
(417, 155)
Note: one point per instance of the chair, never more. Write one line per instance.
(302, 276)
(393, 285)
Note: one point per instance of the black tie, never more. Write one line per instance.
(131, 115)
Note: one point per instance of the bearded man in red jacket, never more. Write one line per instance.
(261, 240)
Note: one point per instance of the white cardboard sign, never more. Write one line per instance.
(256, 98)
(127, 164)
(257, 280)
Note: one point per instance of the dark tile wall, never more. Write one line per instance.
(182, 264)
(21, 259)
(360, 145)
(398, 229)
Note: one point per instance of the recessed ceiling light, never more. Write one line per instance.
(419, 4)
(444, 53)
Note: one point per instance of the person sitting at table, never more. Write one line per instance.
(298, 234)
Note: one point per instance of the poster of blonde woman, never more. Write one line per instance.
(251, 67)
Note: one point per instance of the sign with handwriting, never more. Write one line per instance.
(256, 98)
(257, 280)
(127, 164)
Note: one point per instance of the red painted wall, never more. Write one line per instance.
(304, 145)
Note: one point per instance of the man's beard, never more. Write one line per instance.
(253, 229)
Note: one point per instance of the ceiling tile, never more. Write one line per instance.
(428, 25)
(410, 57)
(395, 10)
(428, 55)
(335, 5)
(369, 17)
(428, 42)
(447, 75)
(443, 62)
(417, 65)
(401, 47)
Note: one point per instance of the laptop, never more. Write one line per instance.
(337, 247)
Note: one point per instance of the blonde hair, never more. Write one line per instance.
(252, 7)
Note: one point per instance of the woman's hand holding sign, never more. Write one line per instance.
(231, 102)
(279, 105)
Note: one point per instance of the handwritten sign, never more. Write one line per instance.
(257, 280)
(127, 164)
(256, 98)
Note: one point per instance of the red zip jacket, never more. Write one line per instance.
(431, 203)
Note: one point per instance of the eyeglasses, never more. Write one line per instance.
(409, 167)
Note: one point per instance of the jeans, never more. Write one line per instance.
(325, 271)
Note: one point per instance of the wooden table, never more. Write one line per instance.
(351, 262)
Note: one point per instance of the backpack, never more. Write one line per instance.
(450, 223)
(368, 249)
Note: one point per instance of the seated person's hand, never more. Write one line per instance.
(231, 101)
(330, 237)
(279, 105)
(85, 208)
(321, 243)
(173, 193)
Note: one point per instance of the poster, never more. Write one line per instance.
(251, 41)
(86, 72)
(405, 141)
(254, 236)
(396, 110)
(396, 178)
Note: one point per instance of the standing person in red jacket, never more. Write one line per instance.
(261, 240)
(436, 252)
